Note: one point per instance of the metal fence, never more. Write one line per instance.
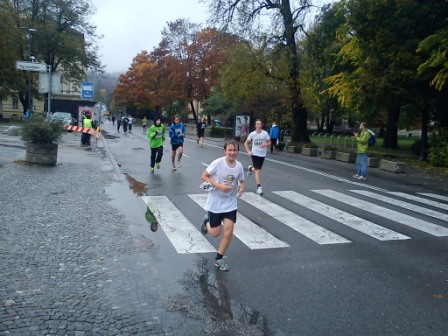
(341, 142)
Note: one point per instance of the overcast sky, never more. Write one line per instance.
(130, 26)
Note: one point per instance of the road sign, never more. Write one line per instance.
(87, 90)
(31, 66)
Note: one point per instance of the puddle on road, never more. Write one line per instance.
(139, 188)
(207, 299)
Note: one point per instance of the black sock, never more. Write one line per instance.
(218, 256)
(258, 185)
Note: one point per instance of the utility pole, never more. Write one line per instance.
(31, 58)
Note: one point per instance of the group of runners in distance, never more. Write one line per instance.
(223, 178)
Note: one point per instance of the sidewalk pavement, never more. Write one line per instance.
(64, 249)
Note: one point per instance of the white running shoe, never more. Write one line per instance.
(259, 191)
(249, 170)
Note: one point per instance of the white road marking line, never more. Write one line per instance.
(420, 200)
(440, 197)
(354, 222)
(247, 231)
(182, 234)
(410, 221)
(307, 228)
(405, 205)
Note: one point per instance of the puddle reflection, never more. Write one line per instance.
(208, 299)
(137, 187)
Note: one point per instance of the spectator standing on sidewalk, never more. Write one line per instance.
(260, 141)
(86, 123)
(362, 143)
(274, 134)
(156, 136)
(226, 176)
(177, 134)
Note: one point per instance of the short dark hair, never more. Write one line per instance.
(232, 142)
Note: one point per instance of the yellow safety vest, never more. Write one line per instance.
(87, 123)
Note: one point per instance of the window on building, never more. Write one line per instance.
(15, 103)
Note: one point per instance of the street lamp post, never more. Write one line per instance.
(31, 59)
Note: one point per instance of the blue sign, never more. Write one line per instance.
(87, 90)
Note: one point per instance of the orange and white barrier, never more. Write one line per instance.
(79, 129)
(95, 132)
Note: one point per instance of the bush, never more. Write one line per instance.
(40, 131)
(310, 145)
(438, 148)
(328, 148)
(221, 132)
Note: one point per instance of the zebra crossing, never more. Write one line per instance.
(186, 237)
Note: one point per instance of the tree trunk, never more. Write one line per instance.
(195, 117)
(390, 137)
(424, 136)
(300, 115)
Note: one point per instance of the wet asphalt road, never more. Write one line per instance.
(80, 258)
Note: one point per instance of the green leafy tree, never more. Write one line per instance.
(64, 37)
(379, 79)
(287, 18)
(437, 62)
(8, 54)
(318, 54)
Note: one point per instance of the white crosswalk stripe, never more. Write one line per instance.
(405, 205)
(354, 222)
(186, 237)
(247, 231)
(182, 234)
(439, 197)
(404, 219)
(421, 200)
(307, 228)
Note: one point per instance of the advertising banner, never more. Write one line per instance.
(242, 126)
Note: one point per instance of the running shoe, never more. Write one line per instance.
(362, 178)
(158, 165)
(259, 191)
(356, 176)
(152, 169)
(221, 265)
(249, 170)
(204, 225)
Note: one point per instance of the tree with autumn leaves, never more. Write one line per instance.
(184, 67)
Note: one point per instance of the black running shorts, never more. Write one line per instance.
(216, 219)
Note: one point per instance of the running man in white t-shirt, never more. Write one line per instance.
(260, 141)
(226, 176)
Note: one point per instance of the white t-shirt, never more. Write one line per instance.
(217, 200)
(258, 139)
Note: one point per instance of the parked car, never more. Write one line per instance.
(66, 118)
